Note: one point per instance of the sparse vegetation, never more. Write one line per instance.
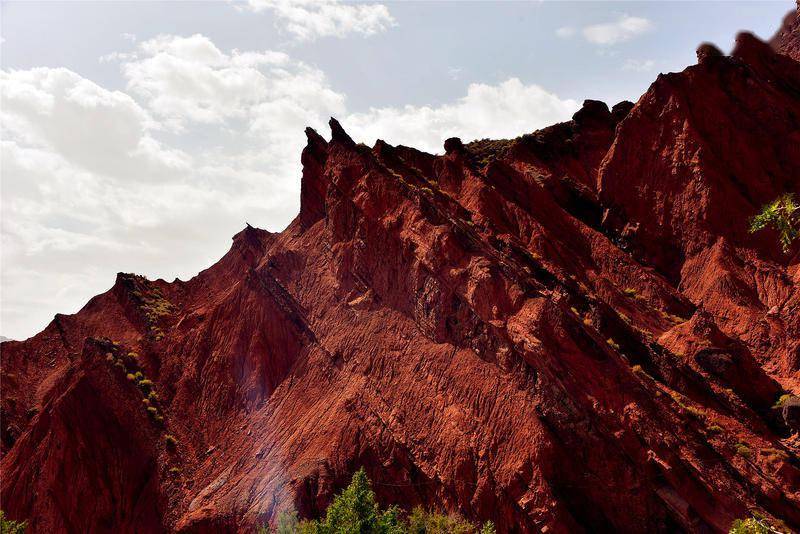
(8, 526)
(680, 400)
(775, 455)
(355, 511)
(743, 450)
(782, 400)
(674, 319)
(783, 215)
(756, 524)
(151, 301)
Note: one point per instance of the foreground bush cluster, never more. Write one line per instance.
(355, 511)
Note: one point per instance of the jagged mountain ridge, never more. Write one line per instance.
(570, 331)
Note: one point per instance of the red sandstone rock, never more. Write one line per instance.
(570, 331)
(787, 39)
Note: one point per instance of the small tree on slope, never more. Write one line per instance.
(782, 214)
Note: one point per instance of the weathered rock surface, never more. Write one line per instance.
(570, 331)
(787, 39)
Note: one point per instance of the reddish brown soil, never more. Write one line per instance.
(570, 331)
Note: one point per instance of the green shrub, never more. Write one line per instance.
(629, 291)
(174, 471)
(146, 385)
(286, 523)
(355, 511)
(756, 524)
(743, 450)
(170, 440)
(715, 429)
(8, 526)
(613, 344)
(152, 396)
(775, 455)
(422, 522)
(782, 400)
(782, 214)
(130, 377)
(152, 410)
(138, 376)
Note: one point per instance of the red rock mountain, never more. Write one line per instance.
(572, 331)
(787, 40)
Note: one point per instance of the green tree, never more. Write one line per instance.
(355, 511)
(782, 214)
(11, 527)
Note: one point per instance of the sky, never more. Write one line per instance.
(140, 136)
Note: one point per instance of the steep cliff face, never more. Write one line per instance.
(570, 331)
(787, 39)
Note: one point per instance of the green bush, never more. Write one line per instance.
(355, 511)
(782, 214)
(422, 522)
(11, 527)
(743, 450)
(782, 400)
(756, 524)
(146, 385)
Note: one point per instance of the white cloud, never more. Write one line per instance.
(638, 65)
(623, 29)
(129, 37)
(188, 79)
(565, 32)
(506, 110)
(311, 19)
(97, 181)
(105, 132)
